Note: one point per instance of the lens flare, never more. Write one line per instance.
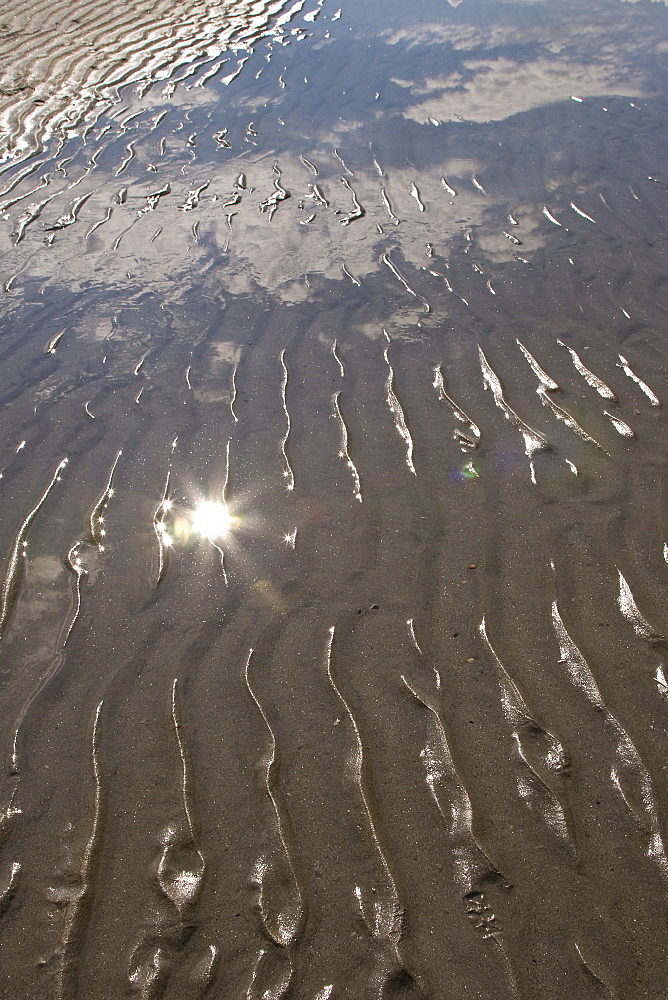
(211, 520)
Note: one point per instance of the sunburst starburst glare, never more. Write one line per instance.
(211, 520)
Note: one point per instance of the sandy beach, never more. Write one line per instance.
(334, 507)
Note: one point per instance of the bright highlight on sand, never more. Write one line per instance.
(211, 520)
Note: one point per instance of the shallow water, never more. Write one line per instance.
(333, 500)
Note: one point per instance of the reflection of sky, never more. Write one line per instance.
(501, 67)
(446, 85)
(494, 89)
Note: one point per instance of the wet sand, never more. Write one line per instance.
(333, 481)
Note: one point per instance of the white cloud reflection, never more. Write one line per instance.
(572, 49)
(503, 87)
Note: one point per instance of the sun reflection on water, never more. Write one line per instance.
(212, 520)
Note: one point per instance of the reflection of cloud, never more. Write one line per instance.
(503, 87)
(230, 245)
(223, 352)
(457, 36)
(46, 569)
(597, 56)
(497, 247)
(279, 253)
(403, 328)
(240, 249)
(215, 372)
(580, 34)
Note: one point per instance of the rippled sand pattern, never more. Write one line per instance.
(333, 481)
(62, 65)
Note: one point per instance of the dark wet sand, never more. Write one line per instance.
(389, 290)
